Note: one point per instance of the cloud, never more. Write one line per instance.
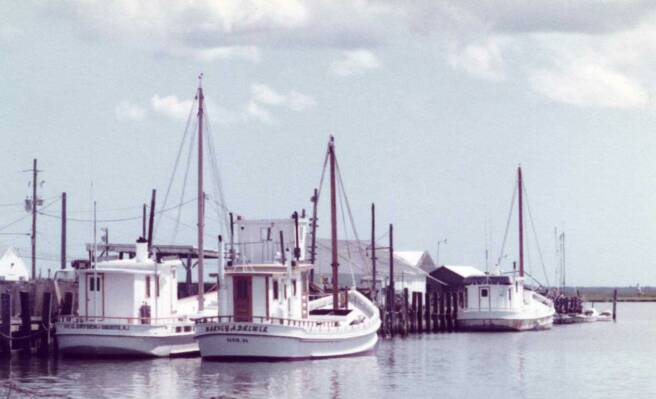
(171, 106)
(211, 54)
(484, 60)
(264, 97)
(590, 85)
(127, 111)
(255, 110)
(355, 62)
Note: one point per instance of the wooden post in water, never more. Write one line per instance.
(436, 324)
(413, 313)
(442, 312)
(5, 324)
(615, 304)
(405, 311)
(26, 322)
(420, 312)
(427, 314)
(455, 311)
(46, 309)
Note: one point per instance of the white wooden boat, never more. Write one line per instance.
(606, 315)
(264, 307)
(129, 307)
(587, 316)
(501, 302)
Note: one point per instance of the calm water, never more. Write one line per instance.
(597, 360)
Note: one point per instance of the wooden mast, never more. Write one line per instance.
(333, 222)
(201, 197)
(521, 222)
(373, 251)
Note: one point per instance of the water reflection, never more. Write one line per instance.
(602, 360)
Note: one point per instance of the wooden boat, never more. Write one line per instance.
(264, 307)
(501, 302)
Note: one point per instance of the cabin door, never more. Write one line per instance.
(242, 298)
(484, 298)
(95, 295)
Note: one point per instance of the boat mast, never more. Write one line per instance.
(521, 222)
(201, 197)
(333, 222)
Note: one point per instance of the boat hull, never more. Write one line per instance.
(128, 340)
(505, 324)
(271, 343)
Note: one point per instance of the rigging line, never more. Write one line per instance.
(177, 158)
(184, 183)
(12, 204)
(348, 206)
(118, 219)
(505, 234)
(216, 172)
(125, 208)
(323, 174)
(535, 279)
(535, 234)
(340, 193)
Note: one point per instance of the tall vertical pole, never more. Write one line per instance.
(151, 219)
(333, 222)
(34, 201)
(390, 290)
(521, 222)
(297, 245)
(63, 232)
(313, 245)
(373, 251)
(143, 222)
(562, 237)
(201, 199)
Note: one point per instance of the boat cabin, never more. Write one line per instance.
(137, 289)
(266, 275)
(491, 293)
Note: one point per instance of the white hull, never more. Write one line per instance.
(485, 322)
(280, 343)
(124, 340)
(285, 339)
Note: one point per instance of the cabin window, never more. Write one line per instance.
(157, 286)
(276, 294)
(147, 286)
(242, 289)
(94, 284)
(484, 293)
(294, 287)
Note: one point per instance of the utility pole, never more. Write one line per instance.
(373, 251)
(34, 203)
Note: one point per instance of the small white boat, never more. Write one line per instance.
(587, 316)
(606, 315)
(129, 307)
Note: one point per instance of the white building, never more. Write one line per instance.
(12, 267)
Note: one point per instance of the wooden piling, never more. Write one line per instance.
(5, 326)
(615, 304)
(413, 313)
(442, 313)
(44, 328)
(427, 314)
(26, 322)
(420, 313)
(454, 316)
(405, 311)
(436, 324)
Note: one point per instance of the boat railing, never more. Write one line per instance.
(308, 325)
(256, 252)
(542, 299)
(124, 320)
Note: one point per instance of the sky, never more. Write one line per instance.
(433, 105)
